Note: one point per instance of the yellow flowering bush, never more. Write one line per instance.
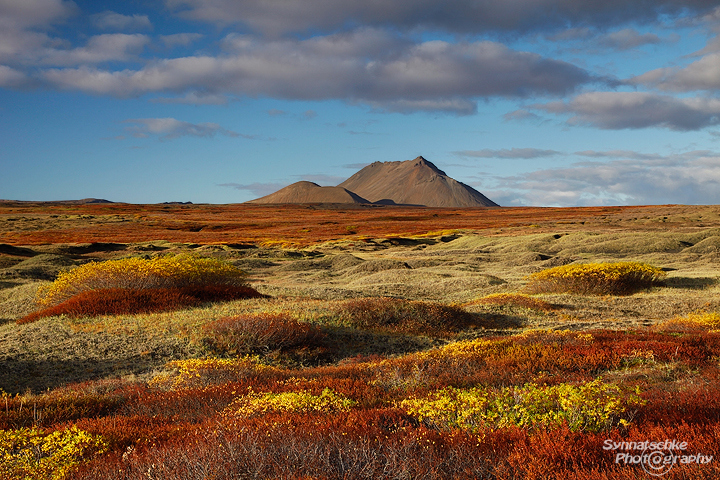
(302, 402)
(593, 406)
(200, 372)
(30, 454)
(139, 273)
(620, 278)
(693, 322)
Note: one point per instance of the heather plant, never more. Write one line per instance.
(593, 406)
(119, 301)
(256, 333)
(139, 273)
(31, 454)
(303, 401)
(622, 278)
(515, 299)
(200, 372)
(694, 321)
(415, 317)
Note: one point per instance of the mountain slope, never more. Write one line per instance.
(309, 192)
(416, 182)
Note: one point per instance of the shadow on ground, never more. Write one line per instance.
(692, 283)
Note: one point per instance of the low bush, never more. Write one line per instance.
(405, 316)
(622, 278)
(259, 333)
(30, 454)
(201, 372)
(517, 300)
(120, 301)
(300, 402)
(592, 407)
(135, 273)
(694, 322)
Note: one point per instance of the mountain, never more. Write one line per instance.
(309, 192)
(412, 182)
(416, 182)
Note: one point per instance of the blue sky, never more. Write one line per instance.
(532, 102)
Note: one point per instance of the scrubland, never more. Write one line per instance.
(406, 349)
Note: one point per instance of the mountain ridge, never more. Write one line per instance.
(411, 182)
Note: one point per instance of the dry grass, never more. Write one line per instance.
(517, 300)
(375, 352)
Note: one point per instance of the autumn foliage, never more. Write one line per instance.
(118, 301)
(621, 278)
(259, 333)
(516, 300)
(406, 316)
(137, 285)
(537, 406)
(136, 273)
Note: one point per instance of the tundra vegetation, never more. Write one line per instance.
(430, 349)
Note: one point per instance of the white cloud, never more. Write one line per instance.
(194, 98)
(632, 178)
(19, 14)
(633, 110)
(368, 67)
(460, 16)
(703, 74)
(10, 77)
(99, 49)
(110, 20)
(169, 128)
(522, 153)
(180, 39)
(627, 38)
(257, 189)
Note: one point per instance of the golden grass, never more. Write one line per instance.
(514, 299)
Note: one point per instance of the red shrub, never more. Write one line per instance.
(118, 301)
(259, 333)
(415, 317)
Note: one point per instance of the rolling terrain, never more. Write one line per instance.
(317, 264)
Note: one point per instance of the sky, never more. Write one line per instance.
(531, 102)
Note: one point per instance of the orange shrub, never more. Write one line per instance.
(406, 316)
(516, 299)
(259, 333)
(119, 301)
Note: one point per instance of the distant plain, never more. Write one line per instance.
(154, 388)
(308, 258)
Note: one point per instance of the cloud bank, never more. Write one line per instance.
(630, 178)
